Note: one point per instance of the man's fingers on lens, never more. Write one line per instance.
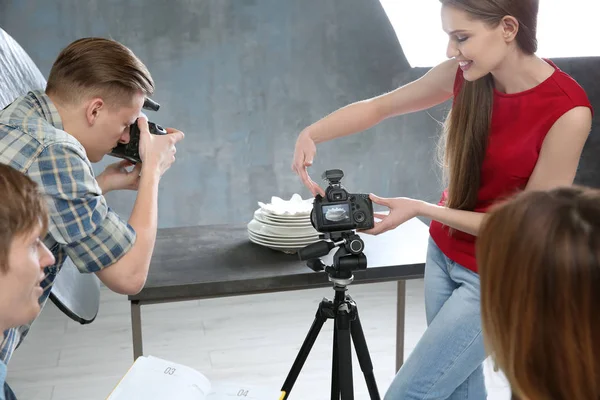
(142, 123)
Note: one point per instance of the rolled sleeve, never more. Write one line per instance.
(93, 236)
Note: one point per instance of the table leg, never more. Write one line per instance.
(136, 329)
(400, 315)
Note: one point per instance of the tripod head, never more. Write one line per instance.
(349, 256)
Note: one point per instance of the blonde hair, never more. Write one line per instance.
(92, 67)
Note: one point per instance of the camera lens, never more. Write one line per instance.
(359, 216)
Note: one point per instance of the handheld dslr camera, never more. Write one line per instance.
(130, 151)
(340, 210)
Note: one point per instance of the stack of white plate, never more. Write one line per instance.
(283, 225)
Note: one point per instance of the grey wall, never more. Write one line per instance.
(242, 78)
(587, 72)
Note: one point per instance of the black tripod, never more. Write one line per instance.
(343, 311)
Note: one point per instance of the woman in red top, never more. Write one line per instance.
(517, 123)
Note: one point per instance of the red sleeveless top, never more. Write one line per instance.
(520, 122)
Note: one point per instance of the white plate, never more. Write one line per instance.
(276, 237)
(262, 214)
(287, 231)
(269, 221)
(284, 238)
(283, 242)
(294, 206)
(278, 218)
(303, 237)
(304, 217)
(289, 247)
(285, 249)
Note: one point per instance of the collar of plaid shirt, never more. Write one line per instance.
(47, 109)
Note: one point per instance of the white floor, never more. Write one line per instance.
(248, 339)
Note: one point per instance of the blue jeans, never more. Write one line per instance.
(8, 393)
(447, 362)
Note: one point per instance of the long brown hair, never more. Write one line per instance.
(22, 209)
(98, 67)
(539, 264)
(467, 126)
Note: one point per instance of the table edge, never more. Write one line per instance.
(309, 280)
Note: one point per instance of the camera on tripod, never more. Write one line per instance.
(336, 216)
(130, 151)
(340, 210)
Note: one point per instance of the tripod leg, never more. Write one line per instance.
(362, 352)
(335, 369)
(342, 325)
(309, 341)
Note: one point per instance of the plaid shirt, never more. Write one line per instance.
(81, 224)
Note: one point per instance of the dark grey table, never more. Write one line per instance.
(211, 261)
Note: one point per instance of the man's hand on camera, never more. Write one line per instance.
(401, 210)
(157, 151)
(117, 177)
(304, 153)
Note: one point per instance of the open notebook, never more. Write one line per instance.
(152, 378)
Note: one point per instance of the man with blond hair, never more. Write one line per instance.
(95, 91)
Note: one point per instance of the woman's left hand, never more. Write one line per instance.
(401, 210)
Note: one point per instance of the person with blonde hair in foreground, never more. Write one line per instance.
(539, 264)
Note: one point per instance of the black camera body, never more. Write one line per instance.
(131, 151)
(340, 210)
